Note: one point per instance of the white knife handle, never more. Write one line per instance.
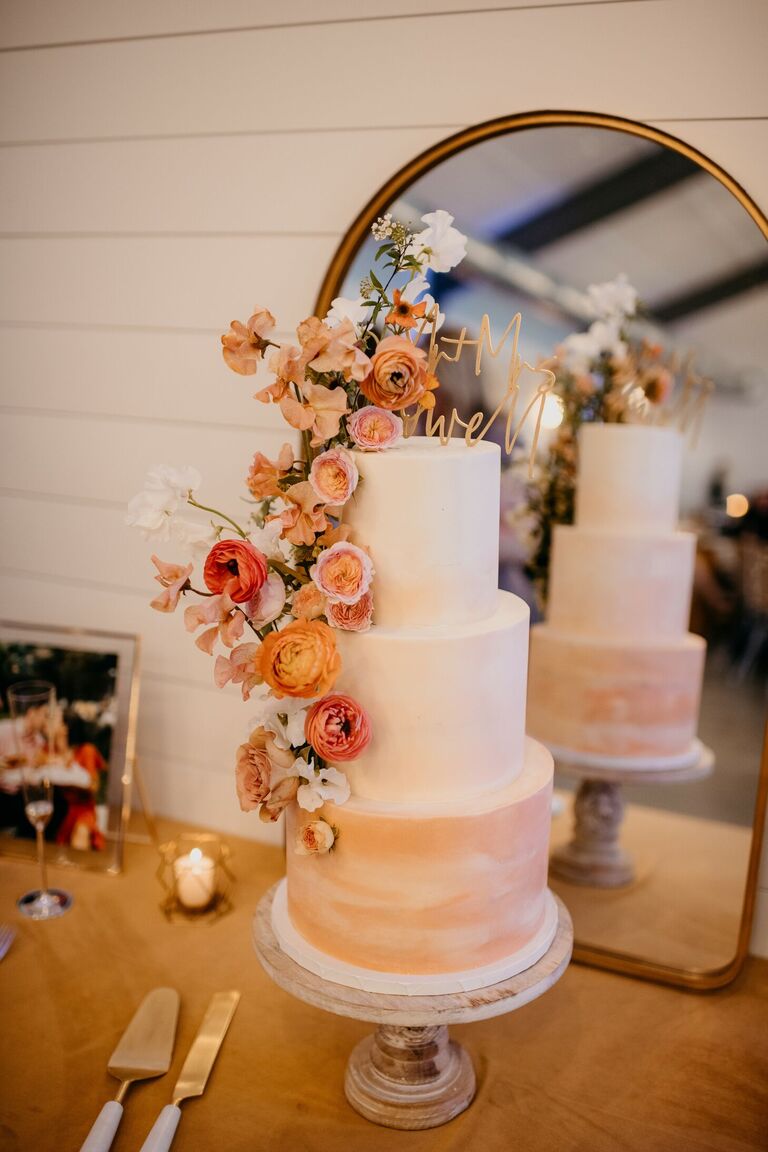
(163, 1130)
(100, 1137)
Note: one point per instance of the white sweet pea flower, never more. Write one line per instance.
(439, 247)
(153, 509)
(614, 298)
(267, 539)
(324, 784)
(172, 483)
(581, 349)
(346, 309)
(414, 289)
(283, 718)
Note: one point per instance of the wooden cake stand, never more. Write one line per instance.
(594, 856)
(409, 1074)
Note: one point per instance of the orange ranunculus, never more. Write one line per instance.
(235, 567)
(263, 475)
(244, 344)
(404, 314)
(300, 660)
(398, 374)
(304, 516)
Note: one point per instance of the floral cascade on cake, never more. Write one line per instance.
(388, 671)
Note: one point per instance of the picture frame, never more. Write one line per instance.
(96, 676)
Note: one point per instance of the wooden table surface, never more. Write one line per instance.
(600, 1062)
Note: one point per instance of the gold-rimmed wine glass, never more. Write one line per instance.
(32, 705)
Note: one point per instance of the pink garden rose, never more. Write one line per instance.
(375, 429)
(314, 838)
(235, 567)
(343, 573)
(334, 476)
(352, 617)
(338, 728)
(174, 578)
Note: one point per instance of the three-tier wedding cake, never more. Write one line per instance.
(614, 673)
(437, 881)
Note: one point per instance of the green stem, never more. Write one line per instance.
(215, 512)
(286, 571)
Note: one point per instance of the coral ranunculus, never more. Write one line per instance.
(398, 374)
(338, 728)
(334, 476)
(300, 659)
(352, 617)
(235, 567)
(375, 429)
(343, 572)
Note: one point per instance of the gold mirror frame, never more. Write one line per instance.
(699, 979)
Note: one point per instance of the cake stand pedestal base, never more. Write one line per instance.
(594, 856)
(409, 1074)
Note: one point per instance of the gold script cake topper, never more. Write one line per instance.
(685, 411)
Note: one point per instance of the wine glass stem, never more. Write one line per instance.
(40, 834)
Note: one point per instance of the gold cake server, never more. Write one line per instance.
(145, 1050)
(196, 1070)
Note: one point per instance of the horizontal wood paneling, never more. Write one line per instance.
(107, 461)
(161, 282)
(211, 184)
(580, 56)
(29, 22)
(146, 375)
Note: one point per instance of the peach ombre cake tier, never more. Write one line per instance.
(614, 672)
(437, 878)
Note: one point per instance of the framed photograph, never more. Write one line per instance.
(87, 740)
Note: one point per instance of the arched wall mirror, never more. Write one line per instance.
(552, 203)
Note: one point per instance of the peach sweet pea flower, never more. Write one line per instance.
(219, 611)
(352, 617)
(398, 374)
(308, 603)
(257, 764)
(288, 364)
(343, 573)
(279, 799)
(314, 838)
(334, 535)
(264, 474)
(174, 578)
(300, 660)
(374, 429)
(244, 344)
(241, 667)
(333, 349)
(303, 517)
(236, 567)
(334, 476)
(338, 728)
(321, 411)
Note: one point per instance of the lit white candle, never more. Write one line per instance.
(195, 879)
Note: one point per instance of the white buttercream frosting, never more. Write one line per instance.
(629, 477)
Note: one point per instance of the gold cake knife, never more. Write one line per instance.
(196, 1070)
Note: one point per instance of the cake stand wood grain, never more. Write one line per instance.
(409, 1074)
(594, 856)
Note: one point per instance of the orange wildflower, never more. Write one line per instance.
(403, 313)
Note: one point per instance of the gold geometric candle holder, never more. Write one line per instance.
(194, 872)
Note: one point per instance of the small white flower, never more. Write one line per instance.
(267, 539)
(439, 247)
(322, 785)
(173, 482)
(582, 349)
(283, 718)
(153, 509)
(343, 308)
(614, 298)
(381, 229)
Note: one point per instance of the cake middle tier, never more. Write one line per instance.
(447, 706)
(610, 582)
(435, 888)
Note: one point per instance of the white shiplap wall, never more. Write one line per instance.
(165, 166)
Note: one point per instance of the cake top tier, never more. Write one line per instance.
(629, 477)
(429, 513)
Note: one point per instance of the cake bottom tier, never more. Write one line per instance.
(429, 897)
(613, 698)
